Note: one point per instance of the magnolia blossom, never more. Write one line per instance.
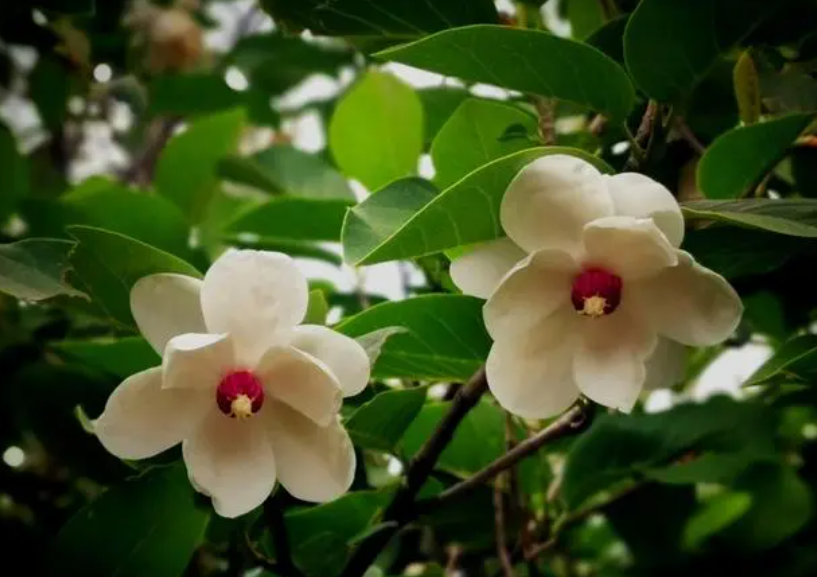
(252, 396)
(590, 292)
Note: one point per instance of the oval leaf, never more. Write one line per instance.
(293, 219)
(792, 217)
(380, 423)
(34, 269)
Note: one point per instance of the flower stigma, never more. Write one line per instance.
(240, 395)
(596, 292)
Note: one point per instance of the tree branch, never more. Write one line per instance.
(570, 422)
(501, 536)
(402, 508)
(546, 110)
(645, 129)
(274, 517)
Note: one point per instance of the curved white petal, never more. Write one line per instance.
(141, 419)
(529, 293)
(550, 201)
(315, 463)
(689, 303)
(197, 361)
(166, 305)
(667, 364)
(609, 361)
(302, 382)
(231, 461)
(344, 356)
(479, 271)
(256, 296)
(642, 197)
(531, 374)
(628, 247)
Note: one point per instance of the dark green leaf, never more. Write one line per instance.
(50, 85)
(14, 176)
(147, 526)
(524, 60)
(794, 360)
(293, 248)
(669, 46)
(373, 342)
(439, 103)
(791, 217)
(376, 131)
(68, 7)
(119, 357)
(716, 514)
(445, 337)
(381, 423)
(293, 219)
(585, 16)
(407, 219)
(318, 308)
(610, 38)
(34, 269)
(108, 264)
(737, 161)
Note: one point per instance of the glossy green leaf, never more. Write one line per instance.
(373, 342)
(408, 219)
(610, 38)
(721, 511)
(524, 60)
(585, 17)
(387, 18)
(293, 219)
(670, 46)
(444, 339)
(187, 169)
(34, 269)
(795, 360)
(473, 136)
(14, 175)
(439, 103)
(705, 468)
(317, 309)
(376, 131)
(381, 423)
(121, 357)
(107, 264)
(146, 526)
(737, 161)
(791, 217)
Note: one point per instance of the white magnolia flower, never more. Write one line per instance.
(590, 293)
(252, 396)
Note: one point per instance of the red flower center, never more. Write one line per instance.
(596, 292)
(240, 395)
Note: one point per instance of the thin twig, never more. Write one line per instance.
(142, 170)
(570, 422)
(401, 510)
(501, 536)
(546, 110)
(645, 129)
(274, 517)
(685, 132)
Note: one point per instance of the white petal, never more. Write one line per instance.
(609, 361)
(197, 361)
(315, 463)
(141, 419)
(479, 271)
(550, 201)
(302, 382)
(628, 247)
(689, 303)
(531, 375)
(529, 293)
(640, 196)
(667, 364)
(344, 356)
(166, 305)
(231, 461)
(256, 296)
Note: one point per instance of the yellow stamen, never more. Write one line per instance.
(241, 407)
(594, 306)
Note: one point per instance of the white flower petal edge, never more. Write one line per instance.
(197, 361)
(231, 461)
(551, 199)
(166, 305)
(640, 196)
(141, 419)
(256, 296)
(315, 463)
(343, 355)
(688, 303)
(480, 270)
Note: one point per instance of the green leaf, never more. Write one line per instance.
(373, 342)
(291, 247)
(376, 131)
(737, 161)
(386, 18)
(472, 137)
(796, 359)
(14, 176)
(302, 174)
(292, 219)
(186, 171)
(108, 264)
(706, 468)
(585, 16)
(162, 528)
(524, 60)
(747, 88)
(49, 85)
(791, 217)
(119, 357)
(439, 103)
(67, 7)
(670, 46)
(408, 219)
(445, 338)
(34, 269)
(478, 440)
(318, 308)
(716, 514)
(610, 38)
(381, 423)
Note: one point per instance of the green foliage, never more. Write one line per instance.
(33, 269)
(14, 177)
(380, 423)
(791, 217)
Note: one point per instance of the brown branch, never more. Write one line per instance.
(546, 110)
(143, 168)
(685, 132)
(401, 510)
(501, 536)
(570, 422)
(645, 130)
